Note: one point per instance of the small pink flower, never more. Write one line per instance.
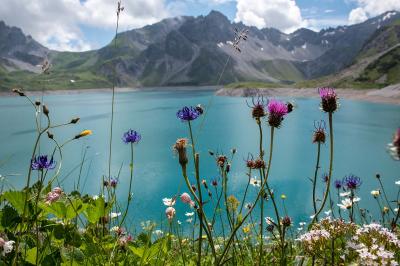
(57, 190)
(185, 197)
(52, 197)
(2, 242)
(170, 212)
(124, 240)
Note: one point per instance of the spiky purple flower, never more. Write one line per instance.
(324, 177)
(352, 182)
(131, 136)
(113, 182)
(328, 99)
(338, 184)
(276, 111)
(258, 107)
(42, 162)
(188, 113)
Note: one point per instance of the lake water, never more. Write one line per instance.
(362, 131)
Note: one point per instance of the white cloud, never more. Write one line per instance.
(323, 23)
(56, 23)
(284, 15)
(371, 8)
(357, 15)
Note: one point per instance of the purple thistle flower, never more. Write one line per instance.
(338, 184)
(131, 136)
(328, 99)
(42, 162)
(276, 111)
(258, 107)
(113, 182)
(324, 177)
(188, 113)
(352, 182)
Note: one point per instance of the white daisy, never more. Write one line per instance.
(115, 215)
(255, 182)
(169, 202)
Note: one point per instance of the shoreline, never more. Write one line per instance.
(387, 95)
(109, 90)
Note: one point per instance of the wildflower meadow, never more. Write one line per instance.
(43, 224)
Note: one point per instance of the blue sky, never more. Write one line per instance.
(78, 25)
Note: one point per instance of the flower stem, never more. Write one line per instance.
(239, 224)
(328, 182)
(130, 188)
(315, 178)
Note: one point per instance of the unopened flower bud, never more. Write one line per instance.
(50, 135)
(286, 221)
(46, 110)
(204, 182)
(84, 134)
(75, 120)
(180, 148)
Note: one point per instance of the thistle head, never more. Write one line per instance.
(286, 221)
(329, 98)
(319, 135)
(338, 184)
(180, 148)
(276, 112)
(258, 107)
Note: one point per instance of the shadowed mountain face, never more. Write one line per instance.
(194, 50)
(18, 51)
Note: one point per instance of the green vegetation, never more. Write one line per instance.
(385, 70)
(281, 69)
(254, 85)
(53, 81)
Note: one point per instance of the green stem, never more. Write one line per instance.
(262, 200)
(239, 224)
(328, 182)
(130, 188)
(386, 199)
(315, 178)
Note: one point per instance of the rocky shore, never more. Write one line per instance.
(389, 95)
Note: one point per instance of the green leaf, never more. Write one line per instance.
(74, 208)
(58, 209)
(31, 256)
(95, 210)
(138, 251)
(9, 217)
(16, 199)
(64, 210)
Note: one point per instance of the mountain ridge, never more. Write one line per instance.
(192, 51)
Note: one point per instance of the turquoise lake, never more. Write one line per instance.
(362, 131)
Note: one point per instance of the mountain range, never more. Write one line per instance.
(193, 51)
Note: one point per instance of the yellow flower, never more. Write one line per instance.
(283, 196)
(232, 203)
(385, 209)
(84, 133)
(246, 229)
